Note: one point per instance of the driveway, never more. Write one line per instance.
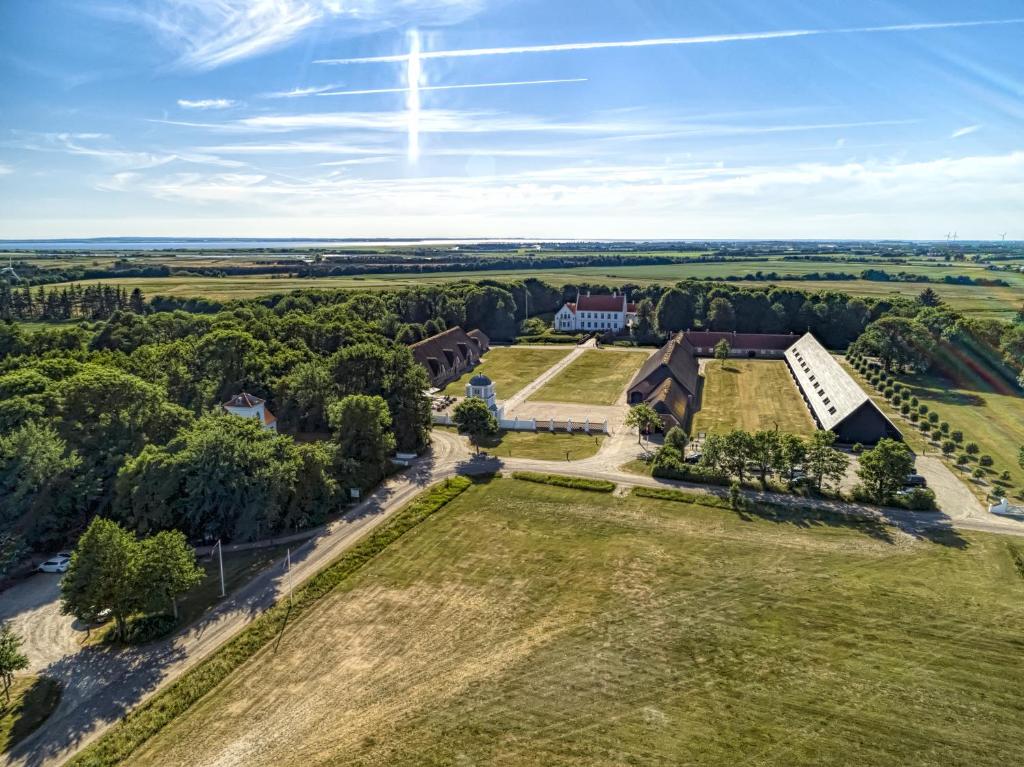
(32, 608)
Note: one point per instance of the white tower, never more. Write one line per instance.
(483, 387)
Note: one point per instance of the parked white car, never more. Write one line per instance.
(59, 564)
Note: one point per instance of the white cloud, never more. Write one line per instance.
(5, 170)
(965, 131)
(211, 33)
(463, 86)
(295, 93)
(667, 41)
(206, 103)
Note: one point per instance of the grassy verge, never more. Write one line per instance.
(751, 395)
(560, 480)
(147, 720)
(33, 698)
(596, 377)
(510, 368)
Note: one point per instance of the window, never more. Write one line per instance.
(811, 378)
(826, 400)
(832, 410)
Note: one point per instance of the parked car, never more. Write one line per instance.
(58, 564)
(915, 480)
(692, 458)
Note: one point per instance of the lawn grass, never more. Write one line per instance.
(33, 698)
(543, 445)
(534, 625)
(751, 395)
(596, 377)
(510, 367)
(240, 567)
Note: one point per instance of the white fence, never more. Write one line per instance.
(538, 424)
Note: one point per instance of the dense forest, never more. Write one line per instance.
(119, 414)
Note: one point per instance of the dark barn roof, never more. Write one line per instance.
(678, 357)
(741, 341)
(670, 401)
(833, 395)
(447, 354)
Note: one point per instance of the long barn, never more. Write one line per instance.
(837, 402)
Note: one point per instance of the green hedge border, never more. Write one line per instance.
(148, 719)
(561, 480)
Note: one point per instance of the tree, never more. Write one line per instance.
(676, 437)
(884, 469)
(825, 465)
(362, 433)
(737, 446)
(304, 395)
(644, 419)
(792, 453)
(11, 658)
(721, 315)
(473, 417)
(928, 297)
(675, 311)
(898, 343)
(169, 569)
(765, 449)
(104, 575)
(722, 350)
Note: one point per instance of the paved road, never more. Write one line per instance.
(102, 684)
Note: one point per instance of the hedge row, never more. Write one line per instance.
(147, 720)
(681, 496)
(560, 480)
(685, 472)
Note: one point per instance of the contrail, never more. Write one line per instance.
(660, 41)
(455, 87)
(412, 100)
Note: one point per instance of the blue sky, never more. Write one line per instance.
(599, 119)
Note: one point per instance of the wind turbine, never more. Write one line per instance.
(1002, 237)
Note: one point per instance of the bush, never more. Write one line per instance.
(918, 499)
(888, 391)
(936, 434)
(962, 459)
(1005, 476)
(735, 495)
(857, 448)
(922, 409)
(905, 409)
(933, 417)
(681, 496)
(978, 473)
(985, 460)
(684, 472)
(944, 427)
(957, 436)
(948, 447)
(923, 426)
(144, 628)
(972, 448)
(560, 480)
(148, 719)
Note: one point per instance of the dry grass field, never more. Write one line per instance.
(751, 395)
(596, 377)
(511, 368)
(531, 625)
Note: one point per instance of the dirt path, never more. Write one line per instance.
(32, 608)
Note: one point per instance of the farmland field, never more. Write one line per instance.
(530, 625)
(751, 395)
(997, 302)
(596, 377)
(510, 367)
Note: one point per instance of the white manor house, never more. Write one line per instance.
(613, 313)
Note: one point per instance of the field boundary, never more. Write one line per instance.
(148, 719)
(562, 480)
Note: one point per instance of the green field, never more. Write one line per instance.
(596, 377)
(979, 301)
(33, 698)
(751, 395)
(510, 367)
(994, 421)
(542, 445)
(531, 625)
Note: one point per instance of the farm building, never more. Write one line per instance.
(769, 345)
(448, 355)
(588, 312)
(245, 405)
(668, 382)
(837, 402)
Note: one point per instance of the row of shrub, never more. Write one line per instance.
(666, 466)
(681, 496)
(148, 719)
(561, 480)
(927, 420)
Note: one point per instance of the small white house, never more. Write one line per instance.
(247, 406)
(482, 387)
(596, 313)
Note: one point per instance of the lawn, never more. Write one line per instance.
(33, 698)
(532, 625)
(543, 445)
(240, 567)
(751, 395)
(596, 377)
(510, 367)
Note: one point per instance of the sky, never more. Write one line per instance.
(557, 119)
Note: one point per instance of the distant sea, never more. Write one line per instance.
(227, 243)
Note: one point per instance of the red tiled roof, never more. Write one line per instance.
(631, 308)
(600, 303)
(269, 418)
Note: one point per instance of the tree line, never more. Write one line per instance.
(92, 302)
